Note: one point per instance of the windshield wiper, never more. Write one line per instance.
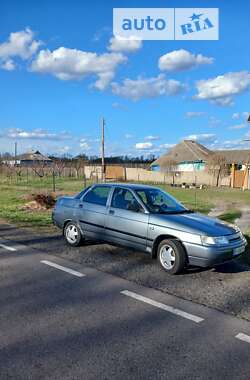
(176, 212)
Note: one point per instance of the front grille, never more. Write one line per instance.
(235, 237)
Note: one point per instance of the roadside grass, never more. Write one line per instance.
(13, 195)
(230, 215)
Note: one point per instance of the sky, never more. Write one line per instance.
(61, 70)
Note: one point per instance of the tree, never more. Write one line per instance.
(218, 167)
(78, 164)
(170, 167)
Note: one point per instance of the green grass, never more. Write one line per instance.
(13, 194)
(230, 215)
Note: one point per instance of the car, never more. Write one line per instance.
(148, 219)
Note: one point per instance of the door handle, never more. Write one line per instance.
(111, 212)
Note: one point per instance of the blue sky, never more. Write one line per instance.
(60, 72)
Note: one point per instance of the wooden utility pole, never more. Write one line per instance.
(15, 153)
(103, 146)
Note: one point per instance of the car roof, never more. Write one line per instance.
(132, 186)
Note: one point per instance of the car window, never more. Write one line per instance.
(158, 201)
(125, 200)
(98, 195)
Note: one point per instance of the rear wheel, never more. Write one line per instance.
(72, 234)
(171, 256)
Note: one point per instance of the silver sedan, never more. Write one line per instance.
(147, 219)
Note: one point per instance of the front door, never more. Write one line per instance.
(127, 222)
(92, 212)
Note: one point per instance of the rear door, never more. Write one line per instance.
(92, 211)
(126, 221)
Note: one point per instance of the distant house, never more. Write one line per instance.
(237, 157)
(192, 156)
(30, 159)
(188, 154)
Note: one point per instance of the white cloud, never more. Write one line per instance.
(85, 143)
(238, 126)
(35, 134)
(151, 138)
(128, 136)
(191, 115)
(203, 137)
(221, 89)
(85, 146)
(128, 45)
(236, 116)
(166, 146)
(69, 64)
(234, 144)
(8, 65)
(245, 115)
(144, 146)
(213, 121)
(136, 89)
(20, 44)
(179, 60)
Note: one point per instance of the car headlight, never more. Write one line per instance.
(214, 240)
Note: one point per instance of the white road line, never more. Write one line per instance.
(244, 337)
(12, 249)
(162, 306)
(65, 269)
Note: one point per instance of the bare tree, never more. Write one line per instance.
(218, 167)
(38, 167)
(58, 166)
(170, 167)
(78, 164)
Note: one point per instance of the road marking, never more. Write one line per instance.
(162, 306)
(65, 269)
(12, 249)
(244, 337)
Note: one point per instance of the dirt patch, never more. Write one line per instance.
(39, 202)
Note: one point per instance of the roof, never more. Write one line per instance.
(187, 150)
(132, 186)
(33, 156)
(235, 156)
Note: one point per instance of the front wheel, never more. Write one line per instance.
(171, 256)
(72, 234)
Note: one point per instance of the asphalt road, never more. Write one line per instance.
(225, 287)
(65, 320)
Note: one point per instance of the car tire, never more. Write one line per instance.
(72, 234)
(171, 256)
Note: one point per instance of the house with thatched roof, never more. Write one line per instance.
(33, 157)
(30, 159)
(189, 155)
(236, 156)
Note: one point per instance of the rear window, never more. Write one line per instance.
(98, 195)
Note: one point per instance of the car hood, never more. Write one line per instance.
(193, 223)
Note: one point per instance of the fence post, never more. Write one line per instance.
(54, 181)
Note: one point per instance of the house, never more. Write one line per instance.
(192, 156)
(188, 154)
(30, 159)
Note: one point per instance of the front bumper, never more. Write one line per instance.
(206, 256)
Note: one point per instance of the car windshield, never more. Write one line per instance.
(159, 202)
